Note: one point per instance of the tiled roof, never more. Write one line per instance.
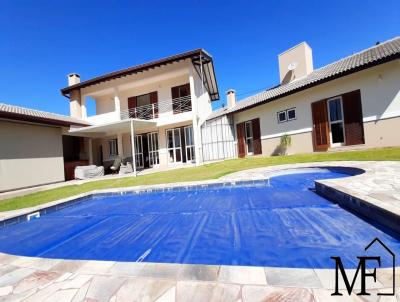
(26, 114)
(378, 54)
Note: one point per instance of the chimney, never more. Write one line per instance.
(295, 63)
(231, 98)
(73, 78)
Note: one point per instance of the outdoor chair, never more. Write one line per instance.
(117, 163)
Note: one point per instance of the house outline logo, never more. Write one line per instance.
(363, 268)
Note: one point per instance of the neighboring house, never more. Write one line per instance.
(31, 146)
(352, 102)
(160, 104)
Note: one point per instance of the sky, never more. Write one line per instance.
(42, 41)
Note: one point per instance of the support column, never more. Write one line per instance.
(133, 149)
(196, 130)
(90, 151)
(83, 108)
(117, 102)
(120, 145)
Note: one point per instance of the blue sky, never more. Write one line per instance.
(42, 41)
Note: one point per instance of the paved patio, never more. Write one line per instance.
(38, 279)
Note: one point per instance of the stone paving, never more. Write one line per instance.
(39, 279)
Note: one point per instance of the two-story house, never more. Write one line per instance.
(155, 109)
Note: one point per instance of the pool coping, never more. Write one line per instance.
(216, 274)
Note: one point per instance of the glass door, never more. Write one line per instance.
(189, 143)
(174, 145)
(152, 141)
(249, 137)
(336, 123)
(139, 151)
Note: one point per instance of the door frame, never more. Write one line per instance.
(139, 154)
(150, 142)
(248, 137)
(174, 148)
(335, 145)
(193, 147)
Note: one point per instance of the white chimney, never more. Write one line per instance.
(73, 78)
(295, 63)
(231, 98)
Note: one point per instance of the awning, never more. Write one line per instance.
(123, 126)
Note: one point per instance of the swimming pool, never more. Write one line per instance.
(281, 223)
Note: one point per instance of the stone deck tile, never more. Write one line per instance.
(102, 288)
(189, 291)
(275, 294)
(95, 267)
(139, 289)
(161, 270)
(287, 277)
(127, 268)
(242, 275)
(15, 276)
(199, 272)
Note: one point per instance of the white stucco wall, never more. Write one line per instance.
(30, 155)
(380, 97)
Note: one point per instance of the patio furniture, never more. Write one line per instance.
(117, 163)
(85, 172)
(125, 168)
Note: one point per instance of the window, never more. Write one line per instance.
(286, 115)
(291, 114)
(181, 98)
(143, 100)
(113, 147)
(282, 116)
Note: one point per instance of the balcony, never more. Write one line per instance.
(159, 109)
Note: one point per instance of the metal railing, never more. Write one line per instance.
(151, 111)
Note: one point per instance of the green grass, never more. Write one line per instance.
(209, 171)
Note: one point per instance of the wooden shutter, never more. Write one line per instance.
(353, 118)
(256, 136)
(320, 126)
(240, 140)
(154, 100)
(131, 106)
(175, 95)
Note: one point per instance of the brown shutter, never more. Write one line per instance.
(256, 136)
(175, 94)
(353, 118)
(320, 126)
(240, 140)
(154, 100)
(131, 106)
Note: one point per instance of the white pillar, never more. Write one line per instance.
(196, 130)
(117, 102)
(90, 151)
(133, 149)
(120, 145)
(83, 107)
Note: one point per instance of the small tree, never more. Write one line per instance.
(286, 142)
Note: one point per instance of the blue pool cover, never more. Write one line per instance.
(283, 224)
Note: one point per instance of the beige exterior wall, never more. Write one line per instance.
(30, 155)
(382, 133)
(380, 97)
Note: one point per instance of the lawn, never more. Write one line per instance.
(209, 171)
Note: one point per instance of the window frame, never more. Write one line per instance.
(277, 115)
(287, 114)
(112, 155)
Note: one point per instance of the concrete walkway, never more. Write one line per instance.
(38, 279)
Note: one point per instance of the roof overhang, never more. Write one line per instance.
(38, 119)
(123, 126)
(201, 60)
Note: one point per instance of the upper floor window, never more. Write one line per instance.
(181, 98)
(143, 106)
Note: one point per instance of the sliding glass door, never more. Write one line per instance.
(152, 141)
(189, 144)
(174, 145)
